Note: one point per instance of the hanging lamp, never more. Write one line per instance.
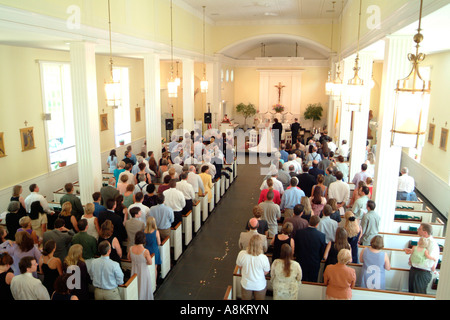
(329, 83)
(204, 82)
(172, 87)
(112, 87)
(412, 101)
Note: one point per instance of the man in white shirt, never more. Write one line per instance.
(292, 161)
(277, 184)
(212, 168)
(187, 190)
(131, 178)
(175, 200)
(406, 186)
(361, 176)
(343, 149)
(139, 197)
(25, 286)
(339, 190)
(195, 181)
(35, 196)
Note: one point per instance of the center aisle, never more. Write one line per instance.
(206, 267)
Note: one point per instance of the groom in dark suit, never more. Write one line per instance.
(277, 126)
(309, 249)
(295, 128)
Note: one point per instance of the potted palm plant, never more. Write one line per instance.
(313, 112)
(247, 110)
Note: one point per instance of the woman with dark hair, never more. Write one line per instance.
(318, 201)
(106, 233)
(112, 161)
(16, 196)
(62, 291)
(6, 276)
(150, 198)
(320, 180)
(50, 266)
(140, 260)
(333, 247)
(38, 219)
(121, 210)
(12, 219)
(148, 178)
(285, 275)
(282, 238)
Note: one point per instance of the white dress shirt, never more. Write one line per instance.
(339, 190)
(186, 189)
(34, 196)
(405, 183)
(277, 185)
(196, 182)
(27, 287)
(174, 199)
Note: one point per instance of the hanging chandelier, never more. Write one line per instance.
(329, 83)
(204, 82)
(412, 101)
(112, 87)
(172, 87)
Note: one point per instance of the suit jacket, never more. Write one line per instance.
(63, 240)
(295, 128)
(244, 239)
(132, 226)
(119, 228)
(77, 207)
(309, 248)
(108, 192)
(306, 182)
(278, 126)
(315, 172)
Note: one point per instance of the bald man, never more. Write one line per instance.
(245, 237)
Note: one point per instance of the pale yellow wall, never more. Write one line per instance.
(21, 100)
(435, 159)
(312, 90)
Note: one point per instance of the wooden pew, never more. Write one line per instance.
(130, 290)
(317, 291)
(411, 227)
(187, 227)
(176, 242)
(228, 293)
(197, 219)
(164, 252)
(410, 205)
(402, 241)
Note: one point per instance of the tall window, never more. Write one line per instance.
(122, 122)
(57, 98)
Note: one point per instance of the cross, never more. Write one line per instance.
(279, 87)
(26, 123)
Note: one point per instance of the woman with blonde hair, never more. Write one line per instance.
(70, 222)
(74, 261)
(333, 247)
(336, 215)
(276, 193)
(16, 196)
(354, 233)
(285, 275)
(339, 278)
(23, 247)
(25, 223)
(93, 228)
(307, 209)
(106, 233)
(254, 266)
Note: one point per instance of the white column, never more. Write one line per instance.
(330, 113)
(443, 290)
(361, 119)
(188, 94)
(86, 119)
(346, 116)
(214, 95)
(152, 83)
(396, 66)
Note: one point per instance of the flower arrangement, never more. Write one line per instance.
(278, 108)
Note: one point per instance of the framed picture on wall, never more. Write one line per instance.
(27, 138)
(444, 138)
(103, 122)
(431, 131)
(138, 114)
(2, 146)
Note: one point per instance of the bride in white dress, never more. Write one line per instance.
(266, 141)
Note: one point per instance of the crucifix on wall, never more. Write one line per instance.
(280, 88)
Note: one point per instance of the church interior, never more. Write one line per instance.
(80, 78)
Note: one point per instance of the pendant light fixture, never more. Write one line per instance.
(354, 89)
(177, 79)
(204, 82)
(412, 101)
(338, 83)
(112, 87)
(172, 87)
(329, 83)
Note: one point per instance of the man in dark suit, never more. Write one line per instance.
(309, 249)
(277, 126)
(119, 228)
(315, 171)
(109, 191)
(306, 181)
(295, 128)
